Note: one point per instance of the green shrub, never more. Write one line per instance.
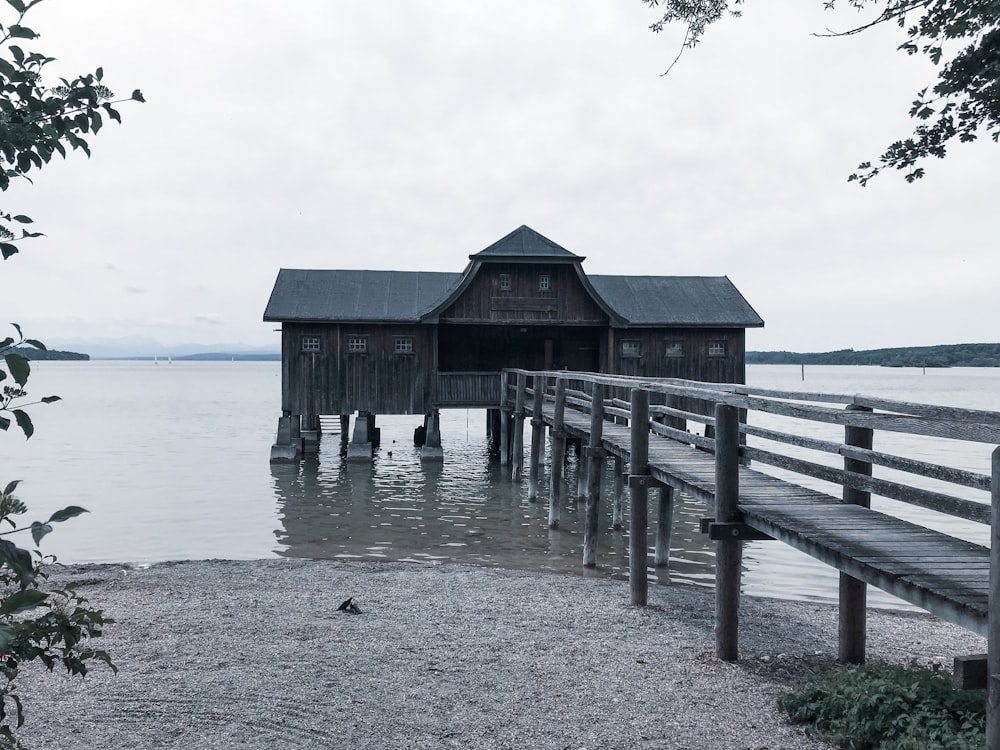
(890, 708)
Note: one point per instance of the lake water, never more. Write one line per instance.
(171, 460)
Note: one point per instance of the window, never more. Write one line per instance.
(631, 348)
(357, 344)
(674, 349)
(404, 345)
(310, 343)
(544, 282)
(504, 279)
(716, 348)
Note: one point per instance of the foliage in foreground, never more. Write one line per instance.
(890, 708)
(961, 39)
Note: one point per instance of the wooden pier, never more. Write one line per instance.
(646, 423)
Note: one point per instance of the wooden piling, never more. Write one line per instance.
(852, 626)
(664, 526)
(558, 454)
(729, 553)
(505, 418)
(594, 463)
(616, 502)
(993, 632)
(537, 436)
(517, 449)
(638, 497)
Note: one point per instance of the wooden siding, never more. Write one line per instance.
(565, 302)
(334, 380)
(467, 389)
(694, 363)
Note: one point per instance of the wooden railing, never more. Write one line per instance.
(815, 457)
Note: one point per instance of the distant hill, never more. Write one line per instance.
(950, 355)
(30, 353)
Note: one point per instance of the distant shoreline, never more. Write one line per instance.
(947, 355)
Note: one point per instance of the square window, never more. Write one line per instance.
(357, 344)
(631, 348)
(717, 349)
(544, 282)
(310, 343)
(674, 349)
(404, 345)
(504, 280)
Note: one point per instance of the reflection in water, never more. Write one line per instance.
(465, 509)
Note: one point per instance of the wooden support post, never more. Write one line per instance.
(638, 497)
(537, 436)
(505, 419)
(616, 502)
(664, 525)
(558, 455)
(993, 634)
(853, 593)
(729, 553)
(431, 450)
(594, 462)
(517, 451)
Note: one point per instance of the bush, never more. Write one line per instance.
(890, 708)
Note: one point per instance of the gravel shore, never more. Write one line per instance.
(254, 654)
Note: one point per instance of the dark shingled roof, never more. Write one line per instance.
(525, 243)
(373, 296)
(703, 301)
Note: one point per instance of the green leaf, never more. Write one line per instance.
(7, 635)
(21, 32)
(70, 511)
(4, 423)
(11, 486)
(137, 96)
(51, 399)
(39, 531)
(19, 561)
(7, 249)
(16, 5)
(35, 343)
(24, 219)
(6, 342)
(19, 368)
(24, 422)
(21, 601)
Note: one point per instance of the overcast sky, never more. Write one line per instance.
(409, 134)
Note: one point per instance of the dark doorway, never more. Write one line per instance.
(482, 348)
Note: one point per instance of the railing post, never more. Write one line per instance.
(518, 447)
(993, 635)
(558, 457)
(595, 461)
(853, 593)
(638, 497)
(537, 435)
(729, 553)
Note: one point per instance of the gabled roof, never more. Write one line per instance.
(362, 296)
(700, 301)
(524, 244)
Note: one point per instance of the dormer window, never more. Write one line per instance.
(504, 282)
(544, 282)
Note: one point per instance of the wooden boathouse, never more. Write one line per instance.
(400, 342)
